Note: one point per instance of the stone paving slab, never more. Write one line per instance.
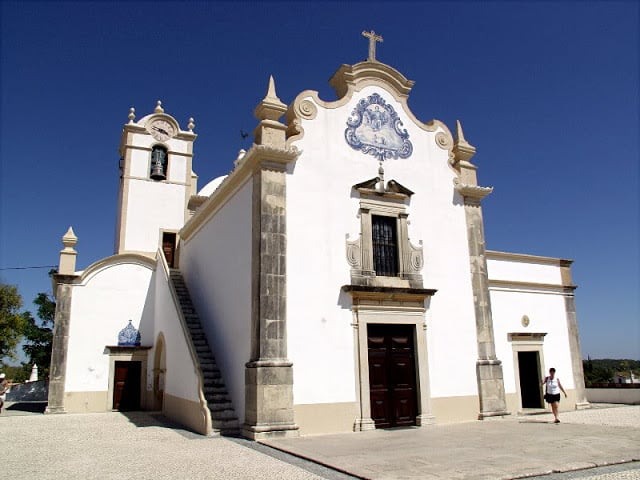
(489, 450)
(137, 446)
(143, 445)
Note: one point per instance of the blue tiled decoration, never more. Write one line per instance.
(129, 336)
(375, 129)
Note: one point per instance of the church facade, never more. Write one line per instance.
(336, 280)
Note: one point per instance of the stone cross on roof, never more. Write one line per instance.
(373, 38)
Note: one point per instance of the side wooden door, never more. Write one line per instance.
(126, 386)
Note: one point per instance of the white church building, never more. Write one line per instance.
(335, 280)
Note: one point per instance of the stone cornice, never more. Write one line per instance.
(472, 192)
(195, 201)
(528, 286)
(258, 156)
(138, 128)
(169, 151)
(520, 257)
(126, 348)
(388, 293)
(57, 279)
(526, 336)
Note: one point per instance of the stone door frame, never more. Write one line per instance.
(526, 342)
(389, 306)
(127, 354)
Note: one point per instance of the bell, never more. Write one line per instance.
(157, 172)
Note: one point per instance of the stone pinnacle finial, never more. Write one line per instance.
(241, 153)
(67, 264)
(159, 108)
(191, 125)
(463, 151)
(271, 107)
(460, 133)
(132, 114)
(270, 131)
(271, 90)
(69, 239)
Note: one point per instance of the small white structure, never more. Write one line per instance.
(34, 373)
(336, 279)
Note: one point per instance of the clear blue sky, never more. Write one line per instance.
(547, 92)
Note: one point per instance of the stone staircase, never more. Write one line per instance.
(223, 416)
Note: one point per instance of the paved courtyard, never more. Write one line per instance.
(141, 445)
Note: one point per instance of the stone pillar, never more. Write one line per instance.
(574, 339)
(488, 367)
(63, 281)
(269, 374)
(58, 368)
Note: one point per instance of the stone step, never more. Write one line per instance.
(226, 426)
(216, 391)
(221, 407)
(222, 413)
(214, 382)
(209, 367)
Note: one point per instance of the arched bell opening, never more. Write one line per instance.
(159, 162)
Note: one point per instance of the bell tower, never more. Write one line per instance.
(156, 182)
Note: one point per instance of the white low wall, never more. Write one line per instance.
(628, 396)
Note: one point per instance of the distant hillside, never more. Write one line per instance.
(602, 370)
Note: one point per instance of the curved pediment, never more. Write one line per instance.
(367, 73)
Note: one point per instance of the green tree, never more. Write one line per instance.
(12, 321)
(38, 335)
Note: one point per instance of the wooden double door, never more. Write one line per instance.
(392, 375)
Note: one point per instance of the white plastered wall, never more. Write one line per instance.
(546, 312)
(216, 264)
(524, 271)
(100, 308)
(152, 206)
(181, 378)
(322, 209)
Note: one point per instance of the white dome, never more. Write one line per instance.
(211, 187)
